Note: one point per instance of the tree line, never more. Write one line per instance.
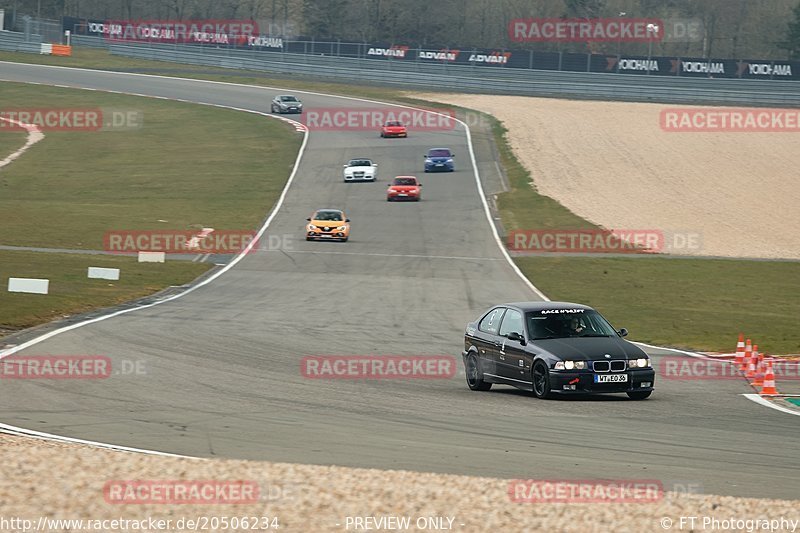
(765, 29)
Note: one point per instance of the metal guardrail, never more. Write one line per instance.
(15, 42)
(89, 42)
(479, 79)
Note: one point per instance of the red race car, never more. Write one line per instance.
(404, 188)
(394, 128)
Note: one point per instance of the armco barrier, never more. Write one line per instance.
(15, 42)
(478, 79)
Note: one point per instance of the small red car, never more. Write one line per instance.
(394, 128)
(404, 188)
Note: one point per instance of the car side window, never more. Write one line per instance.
(491, 322)
(512, 322)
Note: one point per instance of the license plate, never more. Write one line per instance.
(611, 378)
(439, 164)
(402, 194)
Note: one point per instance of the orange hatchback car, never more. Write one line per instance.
(404, 188)
(329, 225)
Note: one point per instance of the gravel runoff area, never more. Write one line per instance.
(68, 481)
(611, 163)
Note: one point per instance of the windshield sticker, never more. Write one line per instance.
(558, 311)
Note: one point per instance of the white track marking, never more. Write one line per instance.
(34, 136)
(306, 133)
(762, 401)
(5, 428)
(234, 261)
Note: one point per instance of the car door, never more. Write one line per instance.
(511, 360)
(488, 328)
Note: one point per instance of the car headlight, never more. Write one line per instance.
(341, 228)
(570, 365)
(450, 160)
(311, 226)
(428, 160)
(639, 363)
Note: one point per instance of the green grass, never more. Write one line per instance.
(10, 140)
(72, 292)
(691, 303)
(188, 166)
(687, 303)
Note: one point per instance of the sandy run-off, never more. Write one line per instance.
(723, 194)
(64, 481)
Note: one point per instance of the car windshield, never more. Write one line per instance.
(404, 181)
(360, 163)
(438, 153)
(564, 323)
(328, 215)
(288, 99)
(394, 123)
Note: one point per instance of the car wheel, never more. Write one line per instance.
(308, 238)
(388, 199)
(474, 376)
(541, 380)
(639, 395)
(417, 199)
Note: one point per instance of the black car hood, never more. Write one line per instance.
(588, 348)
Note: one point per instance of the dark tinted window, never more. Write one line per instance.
(288, 99)
(360, 163)
(394, 123)
(438, 153)
(328, 215)
(404, 181)
(491, 322)
(562, 323)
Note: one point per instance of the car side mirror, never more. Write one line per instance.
(309, 219)
(374, 165)
(419, 184)
(515, 336)
(347, 220)
(623, 332)
(344, 166)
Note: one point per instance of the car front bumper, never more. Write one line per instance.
(566, 382)
(438, 167)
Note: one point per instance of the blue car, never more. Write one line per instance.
(439, 160)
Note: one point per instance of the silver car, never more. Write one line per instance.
(286, 103)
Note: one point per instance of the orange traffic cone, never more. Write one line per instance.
(739, 351)
(769, 380)
(751, 364)
(748, 353)
(758, 380)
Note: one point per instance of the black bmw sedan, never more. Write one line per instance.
(553, 348)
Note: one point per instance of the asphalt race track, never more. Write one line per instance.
(223, 362)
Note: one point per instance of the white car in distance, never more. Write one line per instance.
(360, 170)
